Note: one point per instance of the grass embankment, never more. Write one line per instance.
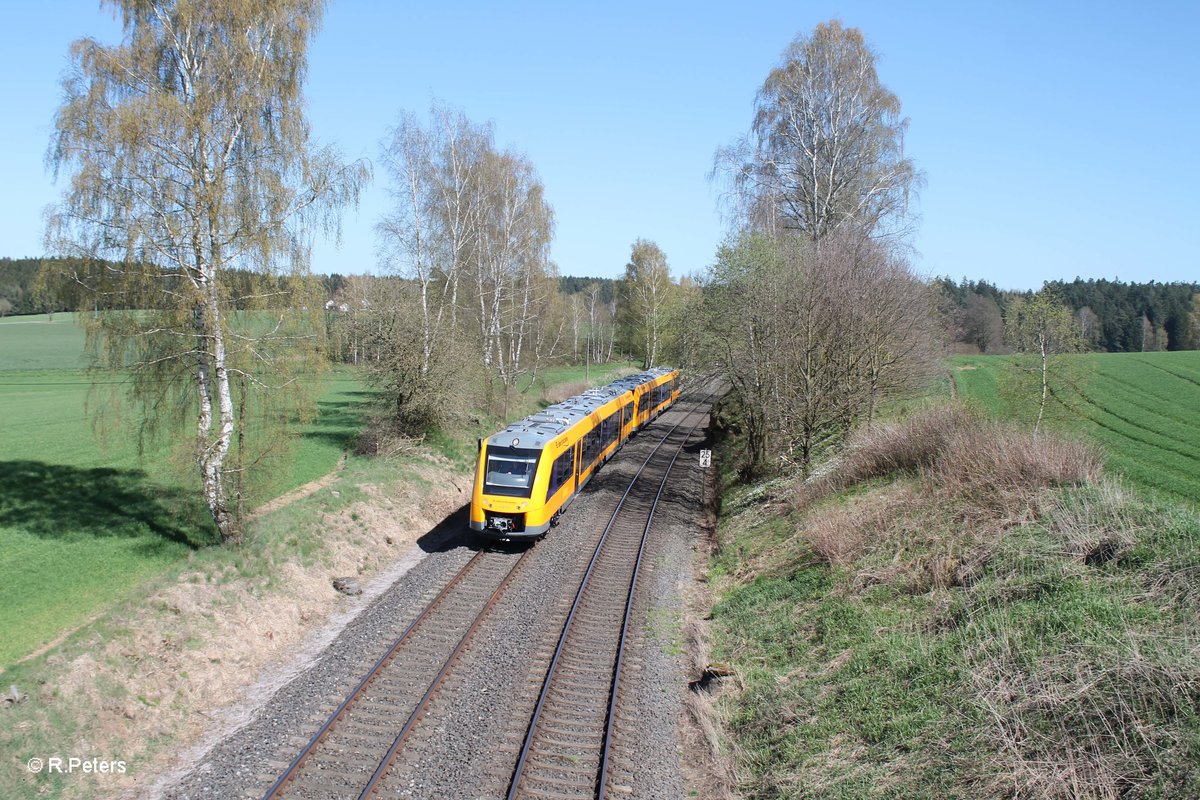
(1142, 407)
(170, 630)
(84, 519)
(959, 610)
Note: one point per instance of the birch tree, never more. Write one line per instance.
(188, 154)
(1042, 330)
(826, 148)
(646, 293)
(432, 229)
(511, 260)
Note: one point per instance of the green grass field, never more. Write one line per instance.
(84, 519)
(1144, 408)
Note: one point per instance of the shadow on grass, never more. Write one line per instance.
(339, 422)
(53, 501)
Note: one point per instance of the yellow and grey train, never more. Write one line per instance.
(529, 472)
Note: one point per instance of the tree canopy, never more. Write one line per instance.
(188, 154)
(826, 148)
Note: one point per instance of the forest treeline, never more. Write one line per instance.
(1112, 316)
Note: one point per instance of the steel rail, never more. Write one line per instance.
(291, 772)
(550, 673)
(373, 784)
(616, 681)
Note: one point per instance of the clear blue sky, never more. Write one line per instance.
(1057, 139)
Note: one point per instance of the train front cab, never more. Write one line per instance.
(519, 492)
(506, 483)
(530, 472)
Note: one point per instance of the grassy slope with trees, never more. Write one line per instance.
(945, 605)
(85, 519)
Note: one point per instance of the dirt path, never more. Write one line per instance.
(301, 492)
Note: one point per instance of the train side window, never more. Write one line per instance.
(609, 430)
(561, 472)
(591, 447)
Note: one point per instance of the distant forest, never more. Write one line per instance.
(1114, 316)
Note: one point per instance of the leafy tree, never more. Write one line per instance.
(1041, 329)
(645, 295)
(188, 155)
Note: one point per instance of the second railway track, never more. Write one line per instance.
(565, 752)
(353, 752)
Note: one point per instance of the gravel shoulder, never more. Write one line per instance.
(251, 743)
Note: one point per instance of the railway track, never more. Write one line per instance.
(566, 749)
(351, 754)
(354, 747)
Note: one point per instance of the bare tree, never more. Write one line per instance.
(826, 148)
(813, 339)
(511, 259)
(188, 154)
(471, 229)
(433, 226)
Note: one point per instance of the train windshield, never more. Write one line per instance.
(510, 474)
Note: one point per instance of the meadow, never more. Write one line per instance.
(1143, 408)
(84, 518)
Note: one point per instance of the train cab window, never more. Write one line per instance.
(510, 473)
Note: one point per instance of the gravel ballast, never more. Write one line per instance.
(473, 724)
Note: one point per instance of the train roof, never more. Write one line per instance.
(536, 430)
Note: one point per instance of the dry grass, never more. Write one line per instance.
(1084, 721)
(561, 391)
(386, 440)
(153, 672)
(1047, 618)
(970, 476)
(1094, 528)
(961, 451)
(707, 763)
